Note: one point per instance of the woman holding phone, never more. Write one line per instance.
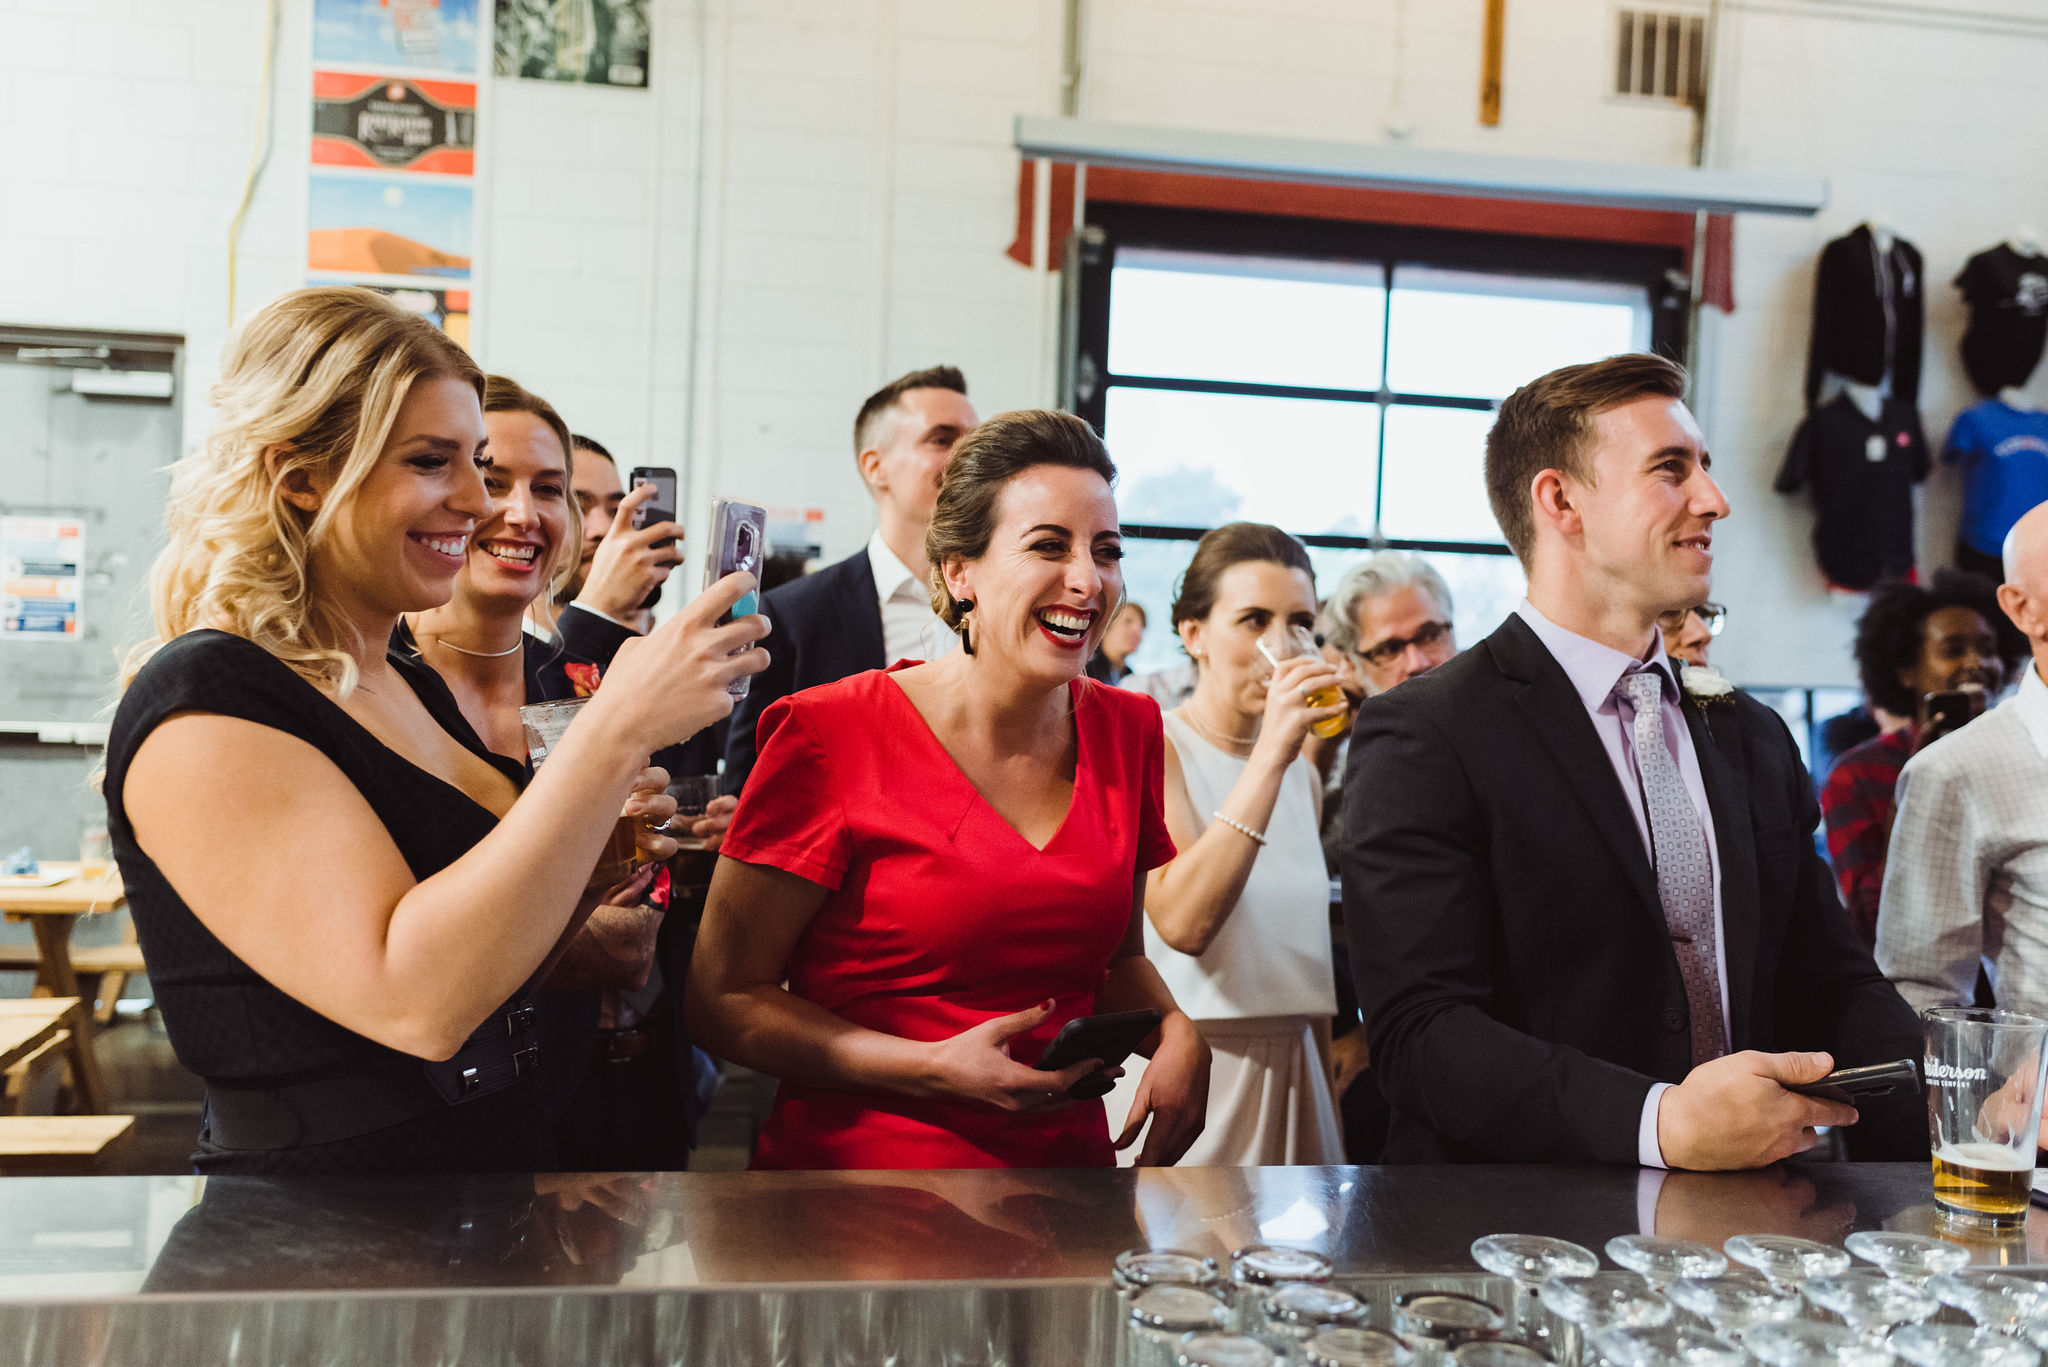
(945, 862)
(341, 890)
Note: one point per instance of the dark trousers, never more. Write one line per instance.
(631, 1115)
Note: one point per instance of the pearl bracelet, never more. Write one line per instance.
(1257, 837)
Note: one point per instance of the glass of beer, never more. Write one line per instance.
(1984, 1070)
(689, 869)
(1284, 643)
(95, 849)
(545, 723)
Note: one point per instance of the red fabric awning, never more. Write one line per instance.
(1586, 223)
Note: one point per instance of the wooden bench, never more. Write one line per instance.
(102, 971)
(60, 1143)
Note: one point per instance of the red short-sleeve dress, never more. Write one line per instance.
(940, 915)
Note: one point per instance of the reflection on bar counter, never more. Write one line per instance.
(1112, 1268)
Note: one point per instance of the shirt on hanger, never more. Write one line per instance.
(2004, 454)
(2007, 292)
(1862, 472)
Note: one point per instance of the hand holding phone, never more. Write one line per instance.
(1851, 1085)
(739, 543)
(1952, 710)
(1112, 1037)
(661, 507)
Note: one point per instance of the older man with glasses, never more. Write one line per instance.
(1689, 631)
(1388, 621)
(1391, 615)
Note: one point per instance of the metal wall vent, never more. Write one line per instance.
(1660, 54)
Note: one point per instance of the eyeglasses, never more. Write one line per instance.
(1712, 616)
(1391, 649)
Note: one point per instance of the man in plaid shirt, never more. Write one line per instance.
(1968, 861)
(1912, 641)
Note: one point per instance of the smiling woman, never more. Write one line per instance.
(340, 900)
(945, 862)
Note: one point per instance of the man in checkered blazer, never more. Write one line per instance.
(1966, 879)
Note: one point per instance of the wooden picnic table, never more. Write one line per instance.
(51, 912)
(28, 1023)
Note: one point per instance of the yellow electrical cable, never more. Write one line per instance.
(259, 156)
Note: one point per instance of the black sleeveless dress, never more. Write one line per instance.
(244, 1036)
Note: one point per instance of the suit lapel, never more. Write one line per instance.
(860, 612)
(1728, 799)
(1546, 697)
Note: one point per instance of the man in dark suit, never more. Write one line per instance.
(874, 607)
(1584, 897)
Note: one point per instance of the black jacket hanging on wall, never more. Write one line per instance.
(1868, 315)
(2007, 292)
(1862, 474)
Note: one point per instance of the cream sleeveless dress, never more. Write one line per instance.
(1261, 993)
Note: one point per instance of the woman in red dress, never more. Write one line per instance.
(946, 862)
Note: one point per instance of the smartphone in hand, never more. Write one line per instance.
(1112, 1037)
(660, 508)
(739, 543)
(1850, 1085)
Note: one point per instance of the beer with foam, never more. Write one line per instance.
(1983, 1179)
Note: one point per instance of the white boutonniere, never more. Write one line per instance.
(1704, 685)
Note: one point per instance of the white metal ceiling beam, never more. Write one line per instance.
(1312, 161)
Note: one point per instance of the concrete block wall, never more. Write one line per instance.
(816, 194)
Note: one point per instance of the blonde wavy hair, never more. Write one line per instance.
(318, 374)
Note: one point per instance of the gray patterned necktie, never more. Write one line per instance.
(1678, 852)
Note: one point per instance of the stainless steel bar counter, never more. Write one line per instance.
(951, 1268)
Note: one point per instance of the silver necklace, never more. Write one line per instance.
(1187, 714)
(447, 644)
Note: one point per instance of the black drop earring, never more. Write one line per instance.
(961, 607)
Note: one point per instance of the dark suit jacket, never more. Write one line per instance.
(825, 627)
(1866, 327)
(1512, 960)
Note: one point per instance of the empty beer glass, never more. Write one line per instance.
(1664, 1261)
(1529, 1260)
(1983, 1069)
(1787, 1260)
(1952, 1345)
(1909, 1257)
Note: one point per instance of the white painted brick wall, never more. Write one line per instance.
(859, 188)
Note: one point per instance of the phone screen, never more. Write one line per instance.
(739, 543)
(1952, 710)
(660, 508)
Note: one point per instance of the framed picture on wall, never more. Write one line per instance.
(589, 42)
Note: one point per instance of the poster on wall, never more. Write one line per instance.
(411, 35)
(407, 228)
(379, 123)
(446, 309)
(590, 42)
(42, 579)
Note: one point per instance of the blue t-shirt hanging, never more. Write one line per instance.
(2004, 454)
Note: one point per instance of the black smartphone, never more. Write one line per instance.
(660, 508)
(739, 542)
(1952, 710)
(1851, 1085)
(1112, 1037)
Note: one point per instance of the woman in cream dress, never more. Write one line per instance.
(1238, 922)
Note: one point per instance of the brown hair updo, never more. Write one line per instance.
(1234, 543)
(984, 461)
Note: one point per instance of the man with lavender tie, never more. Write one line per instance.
(1587, 919)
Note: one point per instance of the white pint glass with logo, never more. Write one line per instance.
(1984, 1071)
